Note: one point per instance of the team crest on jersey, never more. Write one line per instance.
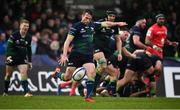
(82, 30)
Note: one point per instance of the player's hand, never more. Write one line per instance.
(174, 44)
(63, 60)
(9, 59)
(30, 65)
(121, 24)
(119, 57)
(133, 56)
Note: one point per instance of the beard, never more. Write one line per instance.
(160, 23)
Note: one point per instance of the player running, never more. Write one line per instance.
(19, 55)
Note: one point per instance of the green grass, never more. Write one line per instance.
(77, 102)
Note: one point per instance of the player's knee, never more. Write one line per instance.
(102, 62)
(24, 77)
(7, 77)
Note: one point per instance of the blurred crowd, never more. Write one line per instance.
(51, 20)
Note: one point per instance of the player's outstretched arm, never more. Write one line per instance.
(110, 24)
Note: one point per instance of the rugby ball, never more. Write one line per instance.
(79, 74)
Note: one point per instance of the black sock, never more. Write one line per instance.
(25, 86)
(97, 81)
(6, 85)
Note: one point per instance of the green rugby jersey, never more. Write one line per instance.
(18, 47)
(104, 37)
(83, 37)
(130, 46)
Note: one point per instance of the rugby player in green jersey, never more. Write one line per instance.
(81, 37)
(19, 55)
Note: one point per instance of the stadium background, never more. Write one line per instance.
(51, 19)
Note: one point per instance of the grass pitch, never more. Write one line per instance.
(77, 102)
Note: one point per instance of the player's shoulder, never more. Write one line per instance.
(153, 27)
(15, 35)
(77, 24)
(135, 28)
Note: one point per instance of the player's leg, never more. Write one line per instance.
(101, 62)
(91, 73)
(64, 76)
(9, 71)
(114, 73)
(63, 85)
(73, 87)
(158, 69)
(67, 78)
(99, 57)
(23, 69)
(126, 79)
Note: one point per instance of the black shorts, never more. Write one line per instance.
(77, 59)
(113, 60)
(154, 59)
(14, 61)
(107, 52)
(140, 64)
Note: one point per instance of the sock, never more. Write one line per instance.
(64, 84)
(61, 76)
(25, 86)
(97, 81)
(112, 88)
(90, 87)
(72, 92)
(6, 83)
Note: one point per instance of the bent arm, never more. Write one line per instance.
(138, 43)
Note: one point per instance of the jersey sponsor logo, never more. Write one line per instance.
(148, 33)
(82, 30)
(160, 32)
(70, 64)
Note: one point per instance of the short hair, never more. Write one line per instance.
(24, 21)
(111, 12)
(140, 17)
(159, 15)
(88, 11)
